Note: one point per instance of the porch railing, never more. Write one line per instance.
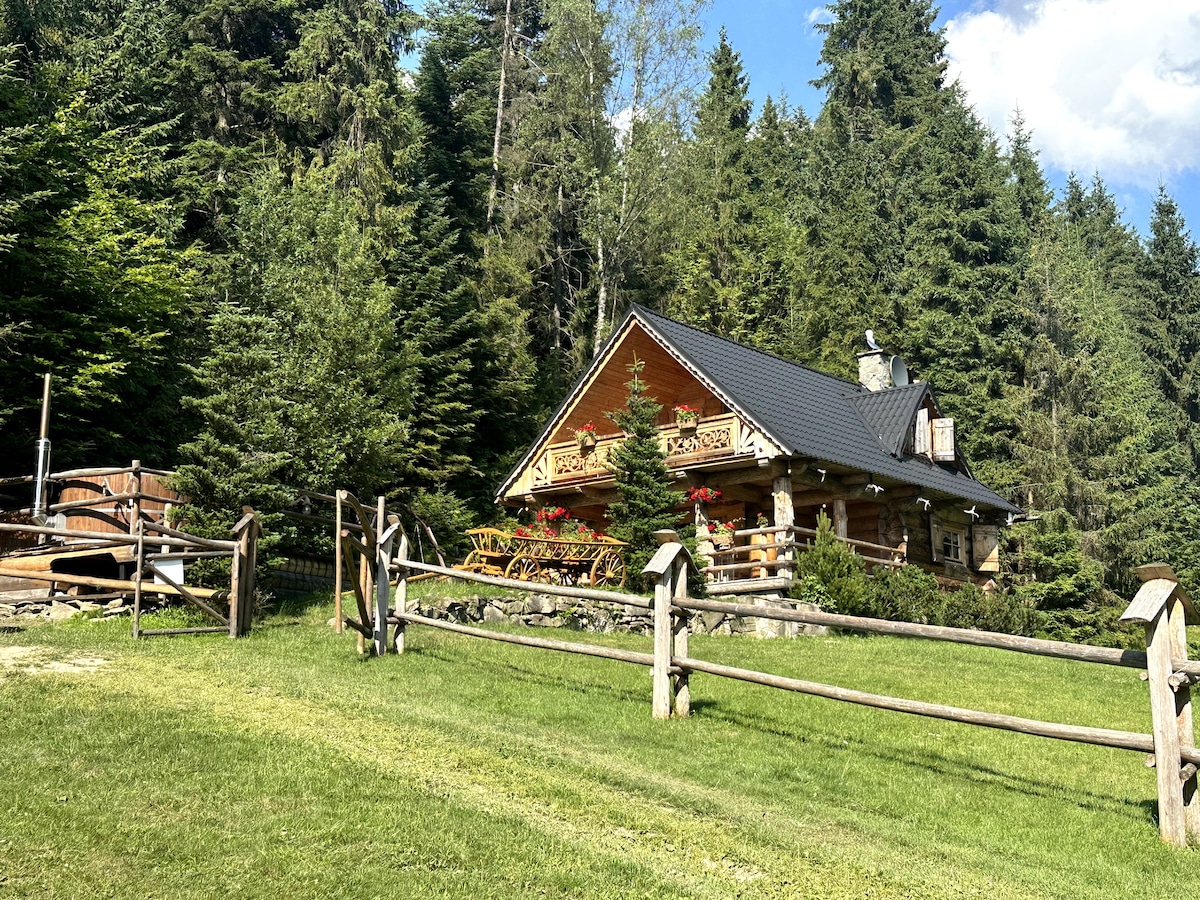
(775, 550)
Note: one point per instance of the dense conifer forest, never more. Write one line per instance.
(248, 242)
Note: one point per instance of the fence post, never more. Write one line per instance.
(401, 593)
(139, 567)
(242, 574)
(661, 696)
(337, 563)
(683, 693)
(1177, 628)
(1163, 607)
(364, 574)
(669, 568)
(383, 557)
(135, 504)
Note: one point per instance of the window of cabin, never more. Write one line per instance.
(953, 542)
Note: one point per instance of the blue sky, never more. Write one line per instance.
(1106, 86)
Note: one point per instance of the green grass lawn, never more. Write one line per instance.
(284, 765)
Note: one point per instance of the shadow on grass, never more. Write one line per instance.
(512, 673)
(932, 761)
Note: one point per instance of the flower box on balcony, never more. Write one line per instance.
(686, 417)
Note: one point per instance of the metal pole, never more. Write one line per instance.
(43, 458)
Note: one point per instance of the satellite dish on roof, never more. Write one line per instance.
(899, 372)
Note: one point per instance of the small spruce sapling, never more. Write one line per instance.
(646, 501)
(836, 568)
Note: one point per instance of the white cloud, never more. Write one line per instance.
(1107, 85)
(622, 123)
(819, 14)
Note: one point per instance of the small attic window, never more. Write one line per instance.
(933, 437)
(943, 440)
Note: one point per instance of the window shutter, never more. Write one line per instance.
(936, 538)
(985, 548)
(921, 433)
(943, 440)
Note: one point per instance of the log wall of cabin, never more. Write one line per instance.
(862, 521)
(863, 518)
(920, 545)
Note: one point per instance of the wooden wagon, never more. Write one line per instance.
(548, 560)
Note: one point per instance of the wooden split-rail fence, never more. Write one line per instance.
(99, 525)
(366, 535)
(1161, 606)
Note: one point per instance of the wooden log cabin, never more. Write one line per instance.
(781, 442)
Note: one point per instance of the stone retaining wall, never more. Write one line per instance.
(533, 609)
(547, 611)
(36, 605)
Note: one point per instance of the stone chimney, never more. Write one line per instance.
(875, 370)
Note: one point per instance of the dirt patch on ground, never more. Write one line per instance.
(39, 660)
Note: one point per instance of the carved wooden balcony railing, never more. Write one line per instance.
(716, 437)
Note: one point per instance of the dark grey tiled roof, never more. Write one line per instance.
(890, 413)
(817, 415)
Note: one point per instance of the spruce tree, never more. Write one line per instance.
(1171, 318)
(638, 463)
(90, 288)
(1028, 184)
(883, 60)
(715, 249)
(307, 384)
(1097, 450)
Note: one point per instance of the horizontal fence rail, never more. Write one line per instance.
(629, 656)
(558, 590)
(173, 538)
(1061, 650)
(1101, 737)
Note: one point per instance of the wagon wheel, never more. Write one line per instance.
(474, 561)
(524, 568)
(557, 576)
(609, 568)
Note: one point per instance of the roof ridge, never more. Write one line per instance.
(858, 388)
(867, 394)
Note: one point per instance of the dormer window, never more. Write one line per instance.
(933, 437)
(943, 440)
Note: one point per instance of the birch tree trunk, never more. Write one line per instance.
(494, 186)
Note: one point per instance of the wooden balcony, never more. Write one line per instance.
(712, 439)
